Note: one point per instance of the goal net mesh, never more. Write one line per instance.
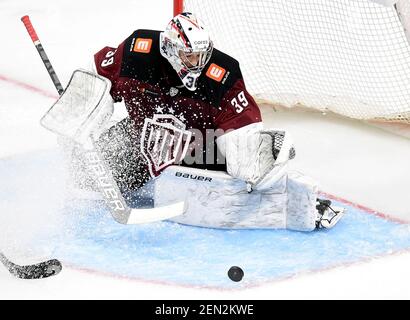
(351, 57)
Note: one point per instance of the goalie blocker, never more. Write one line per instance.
(79, 115)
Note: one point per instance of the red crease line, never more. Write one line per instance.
(28, 87)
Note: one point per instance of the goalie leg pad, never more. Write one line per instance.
(214, 199)
(302, 195)
(119, 147)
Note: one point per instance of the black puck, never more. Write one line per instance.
(235, 274)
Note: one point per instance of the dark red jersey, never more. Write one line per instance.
(149, 86)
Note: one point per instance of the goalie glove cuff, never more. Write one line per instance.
(256, 156)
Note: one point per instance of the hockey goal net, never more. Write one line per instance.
(351, 57)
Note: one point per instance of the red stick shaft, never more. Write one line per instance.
(42, 53)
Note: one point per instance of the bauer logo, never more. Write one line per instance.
(164, 141)
(108, 188)
(142, 45)
(215, 72)
(193, 176)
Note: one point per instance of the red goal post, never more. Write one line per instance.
(347, 57)
(178, 6)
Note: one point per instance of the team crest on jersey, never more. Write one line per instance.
(142, 45)
(164, 141)
(215, 72)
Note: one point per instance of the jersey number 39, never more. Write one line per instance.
(109, 60)
(240, 102)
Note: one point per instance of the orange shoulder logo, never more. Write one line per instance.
(142, 45)
(215, 72)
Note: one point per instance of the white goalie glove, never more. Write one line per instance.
(255, 155)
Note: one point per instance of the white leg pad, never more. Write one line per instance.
(216, 200)
(302, 194)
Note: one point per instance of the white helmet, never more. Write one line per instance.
(185, 43)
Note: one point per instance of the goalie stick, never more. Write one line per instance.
(42, 53)
(50, 267)
(119, 209)
(33, 271)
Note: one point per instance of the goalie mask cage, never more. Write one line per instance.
(351, 57)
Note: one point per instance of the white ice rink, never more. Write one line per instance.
(352, 160)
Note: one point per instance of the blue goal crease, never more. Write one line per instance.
(191, 256)
(169, 252)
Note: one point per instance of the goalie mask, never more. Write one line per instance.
(187, 46)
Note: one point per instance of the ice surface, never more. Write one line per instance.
(360, 163)
(83, 235)
(167, 252)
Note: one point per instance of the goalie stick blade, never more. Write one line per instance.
(34, 271)
(142, 215)
(38, 271)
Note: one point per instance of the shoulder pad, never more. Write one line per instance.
(220, 74)
(141, 54)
